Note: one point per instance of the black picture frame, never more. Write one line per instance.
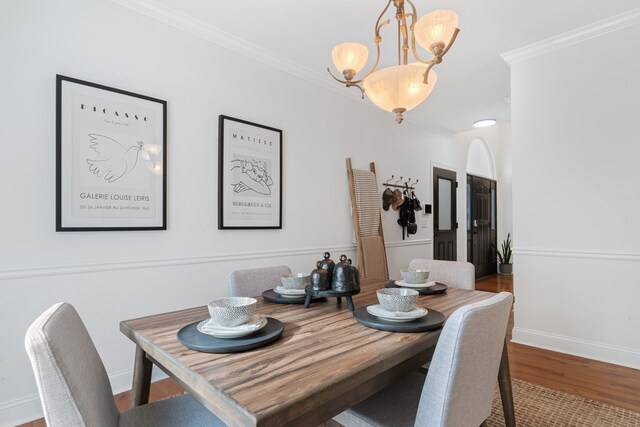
(249, 175)
(111, 163)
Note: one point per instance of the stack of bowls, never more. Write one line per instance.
(232, 311)
(295, 281)
(415, 277)
(398, 299)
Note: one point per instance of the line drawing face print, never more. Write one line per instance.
(113, 159)
(251, 175)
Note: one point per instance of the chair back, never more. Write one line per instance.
(72, 382)
(252, 282)
(463, 374)
(459, 274)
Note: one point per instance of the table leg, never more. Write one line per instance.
(350, 302)
(506, 393)
(141, 379)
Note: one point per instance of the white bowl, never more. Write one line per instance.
(232, 311)
(295, 281)
(415, 276)
(398, 299)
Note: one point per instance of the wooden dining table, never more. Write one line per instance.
(324, 362)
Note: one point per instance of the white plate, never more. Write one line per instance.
(254, 324)
(289, 292)
(425, 285)
(396, 316)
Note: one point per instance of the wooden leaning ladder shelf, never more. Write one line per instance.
(365, 206)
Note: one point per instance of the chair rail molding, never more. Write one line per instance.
(403, 243)
(578, 35)
(77, 268)
(568, 253)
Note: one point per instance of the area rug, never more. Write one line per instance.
(538, 406)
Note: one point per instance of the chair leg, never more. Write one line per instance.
(506, 393)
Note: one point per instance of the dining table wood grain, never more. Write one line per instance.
(324, 362)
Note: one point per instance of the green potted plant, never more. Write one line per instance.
(504, 256)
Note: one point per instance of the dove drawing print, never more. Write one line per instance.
(250, 175)
(113, 160)
(111, 167)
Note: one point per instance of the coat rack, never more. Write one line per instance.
(407, 185)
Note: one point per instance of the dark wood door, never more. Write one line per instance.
(445, 226)
(481, 224)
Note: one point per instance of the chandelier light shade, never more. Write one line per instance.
(434, 30)
(350, 57)
(402, 87)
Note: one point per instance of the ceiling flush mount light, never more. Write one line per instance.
(484, 123)
(399, 88)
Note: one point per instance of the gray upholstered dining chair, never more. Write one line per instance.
(73, 384)
(252, 282)
(459, 274)
(458, 390)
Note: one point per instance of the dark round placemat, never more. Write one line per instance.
(433, 320)
(273, 296)
(438, 288)
(192, 338)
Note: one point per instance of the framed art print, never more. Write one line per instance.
(249, 175)
(111, 158)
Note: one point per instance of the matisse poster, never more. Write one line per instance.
(250, 175)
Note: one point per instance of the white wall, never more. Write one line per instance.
(575, 198)
(111, 276)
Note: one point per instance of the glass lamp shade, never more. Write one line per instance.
(435, 27)
(399, 87)
(350, 56)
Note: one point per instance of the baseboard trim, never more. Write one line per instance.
(567, 253)
(583, 348)
(28, 408)
(20, 411)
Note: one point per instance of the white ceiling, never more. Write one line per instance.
(473, 81)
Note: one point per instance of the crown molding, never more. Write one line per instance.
(590, 31)
(198, 28)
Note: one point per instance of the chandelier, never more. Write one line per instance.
(402, 87)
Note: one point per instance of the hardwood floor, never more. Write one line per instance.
(604, 382)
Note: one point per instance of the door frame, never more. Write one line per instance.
(434, 202)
